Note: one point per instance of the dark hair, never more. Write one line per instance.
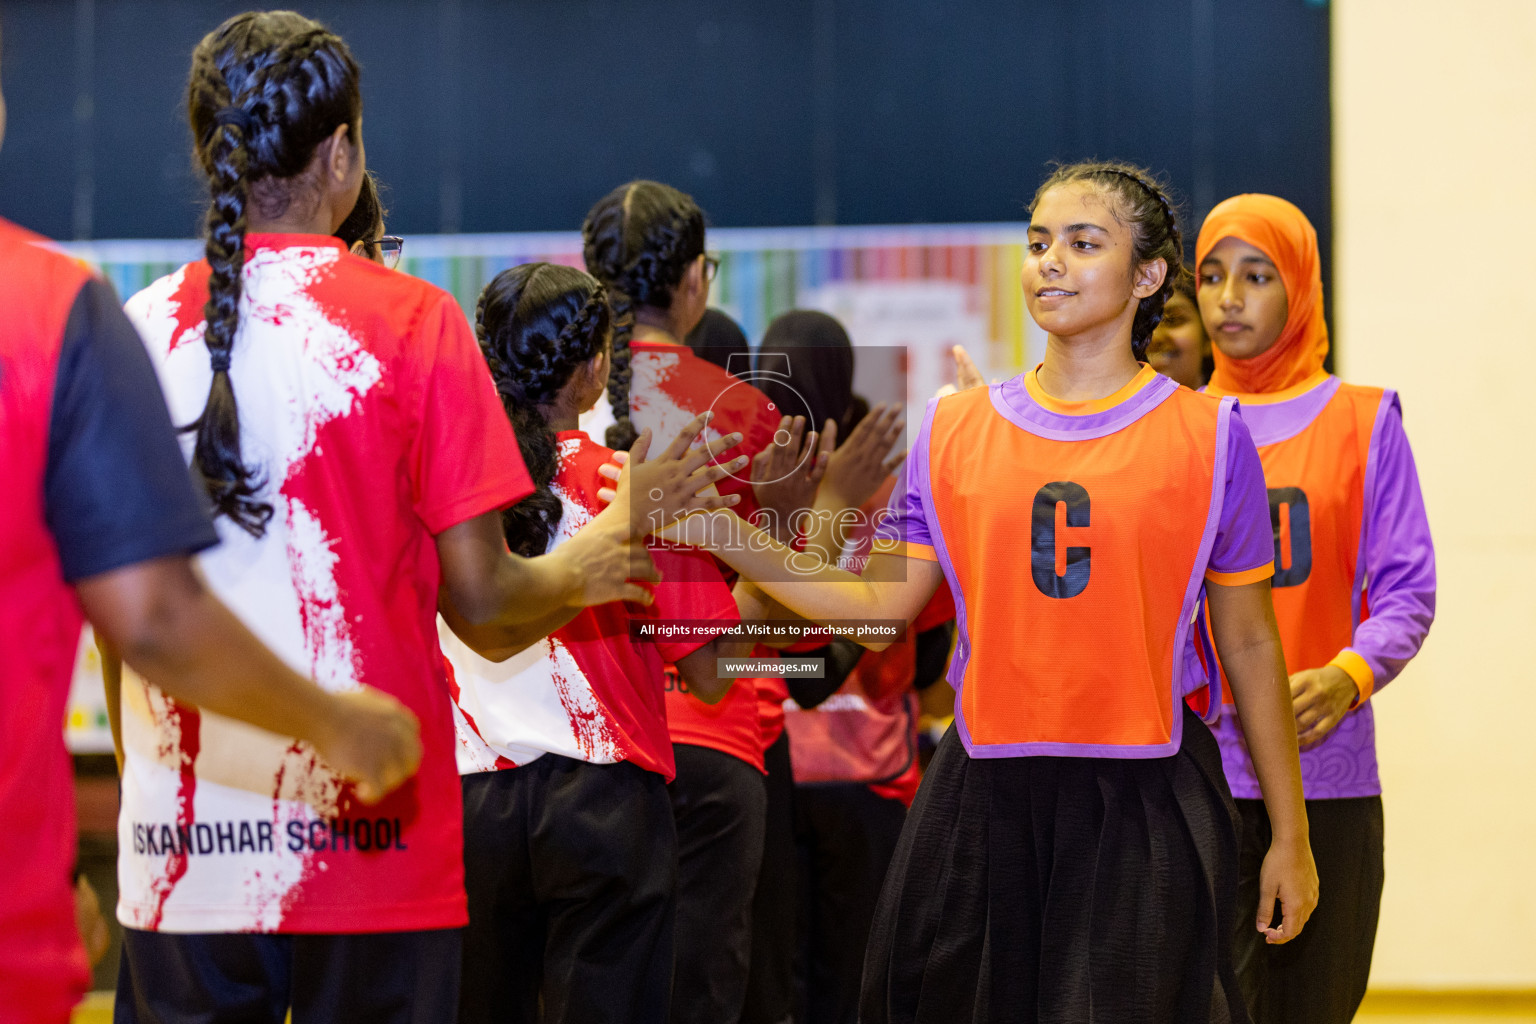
(717, 337)
(1185, 283)
(365, 222)
(1143, 203)
(537, 323)
(638, 240)
(265, 89)
(820, 358)
(858, 408)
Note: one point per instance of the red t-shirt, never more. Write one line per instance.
(588, 691)
(367, 408)
(93, 481)
(771, 692)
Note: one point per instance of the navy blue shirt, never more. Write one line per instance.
(117, 489)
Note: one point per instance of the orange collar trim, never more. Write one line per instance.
(1032, 384)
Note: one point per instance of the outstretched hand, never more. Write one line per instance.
(655, 491)
(967, 375)
(787, 473)
(863, 462)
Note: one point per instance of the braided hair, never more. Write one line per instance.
(536, 324)
(1142, 203)
(638, 241)
(266, 88)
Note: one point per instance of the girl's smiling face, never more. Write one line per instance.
(1079, 272)
(1242, 299)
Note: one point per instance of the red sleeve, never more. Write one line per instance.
(939, 610)
(464, 457)
(691, 589)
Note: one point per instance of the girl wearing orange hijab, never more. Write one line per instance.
(1354, 587)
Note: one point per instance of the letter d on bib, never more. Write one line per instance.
(1042, 540)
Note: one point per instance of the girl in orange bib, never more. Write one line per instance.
(1072, 852)
(1354, 587)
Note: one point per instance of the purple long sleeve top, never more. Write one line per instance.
(1334, 454)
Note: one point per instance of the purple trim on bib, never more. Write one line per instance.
(923, 473)
(1194, 593)
(1120, 752)
(1012, 401)
(1273, 422)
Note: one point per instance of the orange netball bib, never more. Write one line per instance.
(1077, 538)
(1314, 442)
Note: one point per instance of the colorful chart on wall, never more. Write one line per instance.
(923, 286)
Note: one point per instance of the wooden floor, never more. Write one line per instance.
(1447, 1007)
(1379, 1008)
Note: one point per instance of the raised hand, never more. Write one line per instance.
(653, 492)
(861, 464)
(372, 740)
(967, 375)
(785, 476)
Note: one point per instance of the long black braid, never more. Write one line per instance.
(265, 89)
(638, 241)
(536, 324)
(1145, 205)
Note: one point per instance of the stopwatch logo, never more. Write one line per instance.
(775, 367)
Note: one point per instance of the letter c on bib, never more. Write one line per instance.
(1042, 540)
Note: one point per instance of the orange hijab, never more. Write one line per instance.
(1283, 233)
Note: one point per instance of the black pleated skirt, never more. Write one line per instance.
(1061, 891)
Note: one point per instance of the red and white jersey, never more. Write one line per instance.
(366, 407)
(588, 691)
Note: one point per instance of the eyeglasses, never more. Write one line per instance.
(390, 248)
(711, 267)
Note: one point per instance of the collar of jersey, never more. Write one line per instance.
(1317, 380)
(273, 240)
(1022, 402)
(1281, 415)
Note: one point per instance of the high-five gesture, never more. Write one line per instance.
(863, 462)
(652, 492)
(787, 473)
(967, 374)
